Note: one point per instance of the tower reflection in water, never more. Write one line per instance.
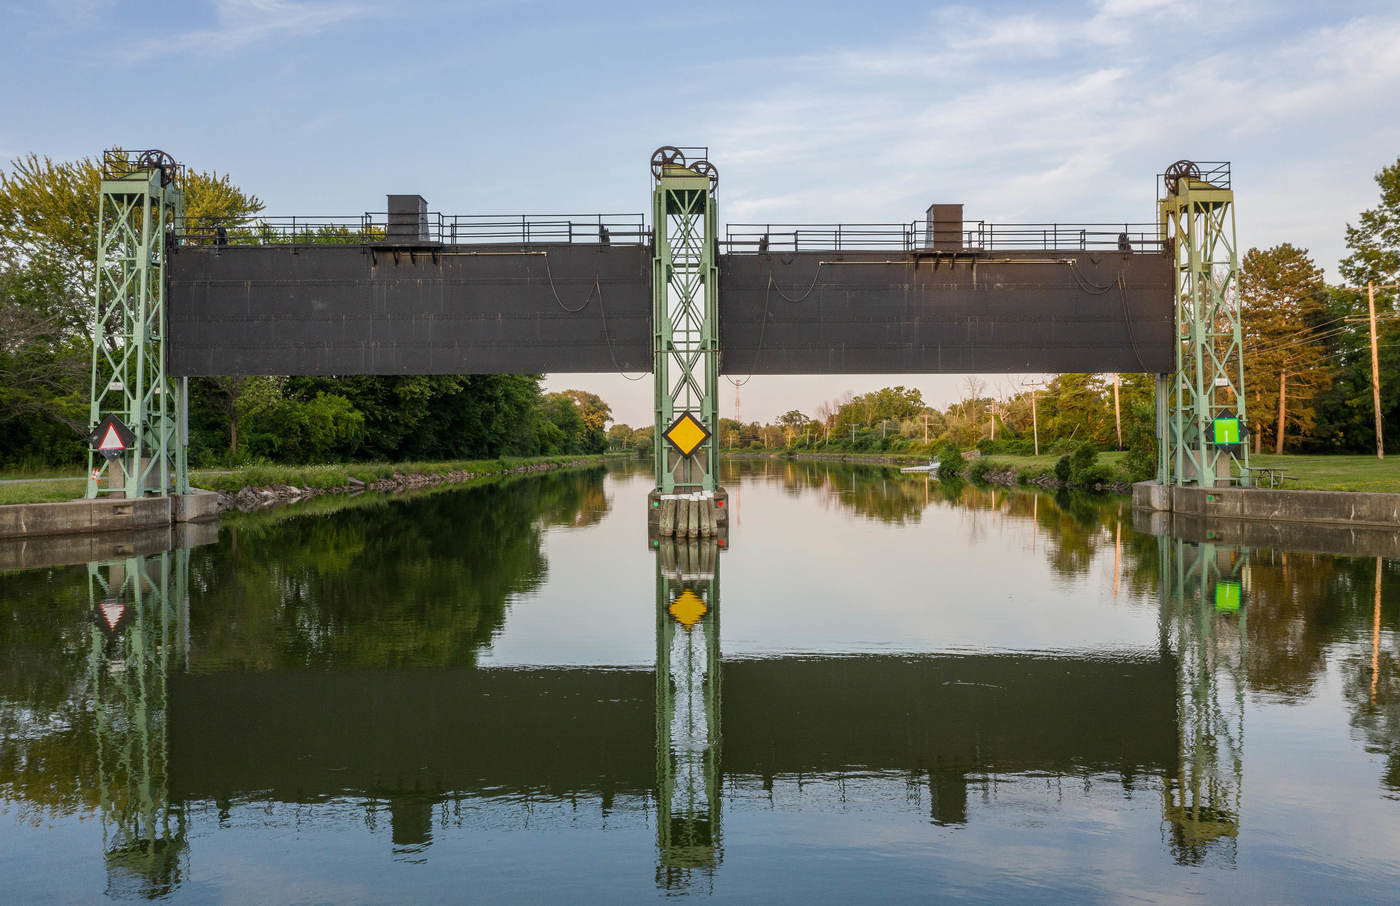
(138, 636)
(1204, 597)
(688, 732)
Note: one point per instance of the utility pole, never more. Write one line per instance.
(1117, 416)
(1035, 419)
(1282, 395)
(1371, 288)
(1375, 367)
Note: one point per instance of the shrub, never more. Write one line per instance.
(1062, 469)
(950, 460)
(979, 468)
(1141, 461)
(1007, 446)
(1081, 458)
(1095, 474)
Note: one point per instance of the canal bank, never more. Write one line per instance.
(1273, 506)
(119, 515)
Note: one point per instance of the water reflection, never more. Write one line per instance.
(1204, 597)
(383, 585)
(138, 623)
(688, 712)
(333, 667)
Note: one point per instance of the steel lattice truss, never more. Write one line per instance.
(685, 285)
(138, 205)
(1198, 218)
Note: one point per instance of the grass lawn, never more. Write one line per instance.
(1336, 473)
(42, 491)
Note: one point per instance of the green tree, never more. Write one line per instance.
(620, 437)
(595, 414)
(1375, 240)
(1283, 307)
(1077, 407)
(48, 256)
(792, 422)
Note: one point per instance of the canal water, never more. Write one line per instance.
(876, 686)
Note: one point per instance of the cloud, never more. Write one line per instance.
(1036, 116)
(240, 24)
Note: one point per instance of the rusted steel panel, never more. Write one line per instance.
(892, 313)
(341, 310)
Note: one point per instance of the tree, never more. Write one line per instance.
(1375, 241)
(1078, 407)
(1283, 302)
(792, 422)
(48, 256)
(595, 415)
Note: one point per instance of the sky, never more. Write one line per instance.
(813, 112)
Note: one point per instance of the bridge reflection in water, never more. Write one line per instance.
(415, 738)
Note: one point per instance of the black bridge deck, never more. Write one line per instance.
(484, 309)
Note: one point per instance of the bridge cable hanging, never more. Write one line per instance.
(573, 311)
(1099, 289)
(1128, 320)
(607, 337)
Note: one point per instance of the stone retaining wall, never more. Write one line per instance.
(106, 514)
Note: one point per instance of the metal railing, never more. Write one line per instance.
(1214, 172)
(977, 236)
(445, 229)
(1062, 237)
(631, 229)
(805, 237)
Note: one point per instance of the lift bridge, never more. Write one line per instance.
(410, 291)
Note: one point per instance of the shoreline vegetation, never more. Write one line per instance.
(265, 485)
(268, 484)
(1361, 472)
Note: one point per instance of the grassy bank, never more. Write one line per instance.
(1032, 467)
(1317, 473)
(318, 476)
(1336, 473)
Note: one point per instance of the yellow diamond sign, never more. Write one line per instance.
(687, 608)
(686, 434)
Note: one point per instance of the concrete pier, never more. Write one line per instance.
(1339, 522)
(698, 515)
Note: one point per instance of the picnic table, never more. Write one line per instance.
(1269, 476)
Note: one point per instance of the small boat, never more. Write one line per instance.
(931, 467)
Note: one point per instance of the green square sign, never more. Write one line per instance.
(1227, 431)
(1228, 596)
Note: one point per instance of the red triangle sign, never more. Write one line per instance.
(111, 440)
(112, 612)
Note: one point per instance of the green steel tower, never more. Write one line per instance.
(685, 328)
(139, 207)
(1205, 443)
